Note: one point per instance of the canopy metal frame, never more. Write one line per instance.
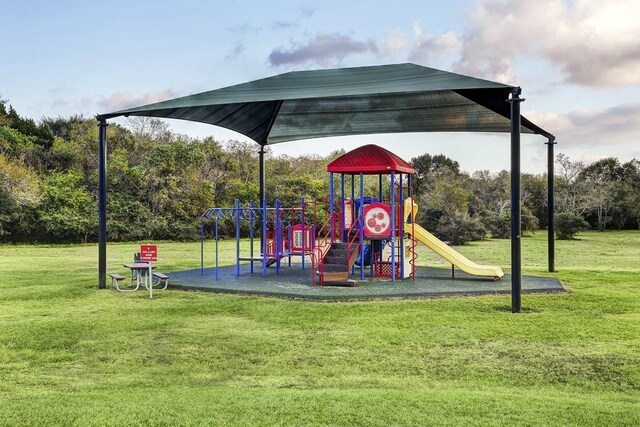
(353, 101)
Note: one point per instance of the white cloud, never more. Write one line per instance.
(593, 42)
(396, 42)
(429, 48)
(121, 100)
(322, 49)
(591, 128)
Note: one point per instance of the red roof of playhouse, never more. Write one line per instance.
(369, 159)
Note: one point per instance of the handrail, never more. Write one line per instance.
(350, 240)
(320, 250)
(315, 259)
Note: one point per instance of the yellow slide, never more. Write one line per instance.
(444, 250)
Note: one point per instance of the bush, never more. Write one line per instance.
(458, 228)
(498, 225)
(529, 222)
(568, 225)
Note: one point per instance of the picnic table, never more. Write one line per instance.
(139, 273)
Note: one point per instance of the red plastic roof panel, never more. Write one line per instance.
(369, 159)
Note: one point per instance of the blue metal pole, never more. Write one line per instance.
(392, 195)
(361, 225)
(401, 230)
(380, 187)
(353, 190)
(216, 246)
(354, 213)
(264, 237)
(237, 237)
(304, 234)
(278, 233)
(201, 246)
(332, 219)
(251, 234)
(290, 240)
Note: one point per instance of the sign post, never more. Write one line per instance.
(149, 253)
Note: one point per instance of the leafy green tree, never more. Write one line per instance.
(568, 225)
(19, 189)
(68, 212)
(459, 228)
(430, 169)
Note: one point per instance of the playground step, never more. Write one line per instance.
(335, 276)
(337, 252)
(331, 259)
(335, 267)
(349, 282)
(339, 245)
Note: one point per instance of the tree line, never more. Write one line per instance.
(161, 182)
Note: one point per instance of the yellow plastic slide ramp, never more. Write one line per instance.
(446, 251)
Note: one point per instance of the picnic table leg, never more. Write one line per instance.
(150, 278)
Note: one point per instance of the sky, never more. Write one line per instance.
(577, 61)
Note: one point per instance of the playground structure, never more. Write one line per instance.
(279, 233)
(357, 231)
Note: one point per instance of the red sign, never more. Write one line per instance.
(148, 253)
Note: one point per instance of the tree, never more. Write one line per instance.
(19, 189)
(68, 211)
(568, 225)
(600, 178)
(572, 194)
(459, 228)
(429, 168)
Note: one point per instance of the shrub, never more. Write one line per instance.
(459, 228)
(498, 225)
(530, 223)
(568, 225)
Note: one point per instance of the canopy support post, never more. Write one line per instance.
(102, 203)
(261, 172)
(551, 205)
(263, 143)
(516, 209)
(262, 194)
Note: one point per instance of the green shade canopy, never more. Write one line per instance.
(347, 101)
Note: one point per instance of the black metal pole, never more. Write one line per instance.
(261, 172)
(102, 203)
(551, 205)
(516, 211)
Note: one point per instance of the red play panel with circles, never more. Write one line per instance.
(377, 220)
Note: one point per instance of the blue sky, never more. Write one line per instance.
(578, 62)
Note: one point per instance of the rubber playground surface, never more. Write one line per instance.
(293, 282)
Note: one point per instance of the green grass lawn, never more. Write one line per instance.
(73, 355)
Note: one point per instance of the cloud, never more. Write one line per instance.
(281, 25)
(321, 49)
(596, 43)
(593, 43)
(591, 128)
(237, 50)
(308, 11)
(428, 48)
(396, 42)
(121, 100)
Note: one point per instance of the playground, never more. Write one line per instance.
(348, 246)
(293, 282)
